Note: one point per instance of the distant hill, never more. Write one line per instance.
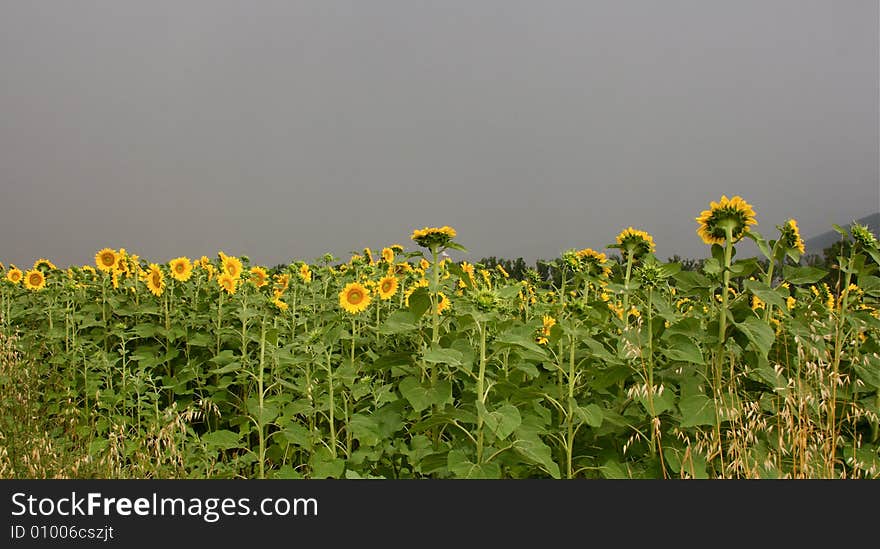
(818, 243)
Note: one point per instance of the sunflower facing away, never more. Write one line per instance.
(433, 237)
(593, 262)
(155, 280)
(790, 236)
(734, 213)
(387, 287)
(227, 283)
(635, 242)
(181, 268)
(106, 259)
(443, 304)
(354, 298)
(34, 280)
(14, 275)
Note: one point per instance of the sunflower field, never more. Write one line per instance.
(401, 363)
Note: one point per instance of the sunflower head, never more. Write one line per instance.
(305, 273)
(354, 298)
(14, 274)
(443, 304)
(790, 236)
(634, 242)
(387, 287)
(259, 277)
(368, 254)
(155, 279)
(282, 282)
(734, 214)
(181, 268)
(34, 280)
(433, 238)
(231, 265)
(106, 259)
(592, 262)
(282, 306)
(44, 265)
(227, 283)
(863, 236)
(388, 255)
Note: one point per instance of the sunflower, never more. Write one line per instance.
(388, 255)
(443, 304)
(155, 279)
(44, 263)
(397, 248)
(502, 271)
(433, 237)
(547, 323)
(106, 259)
(181, 268)
(282, 306)
(635, 242)
(227, 282)
(864, 236)
(282, 282)
(209, 268)
(735, 214)
(424, 264)
(368, 253)
(14, 275)
(790, 236)
(354, 298)
(593, 262)
(387, 287)
(259, 277)
(305, 274)
(114, 278)
(34, 280)
(231, 265)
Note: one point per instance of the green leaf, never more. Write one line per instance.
(765, 293)
(759, 333)
(323, 465)
(222, 439)
(502, 421)
(870, 372)
(421, 397)
(535, 451)
(399, 322)
(437, 355)
(458, 463)
(803, 275)
(696, 410)
(684, 349)
(590, 414)
(688, 281)
(419, 302)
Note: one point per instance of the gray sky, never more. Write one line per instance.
(283, 130)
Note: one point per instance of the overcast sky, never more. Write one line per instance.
(283, 130)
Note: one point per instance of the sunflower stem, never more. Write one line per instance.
(629, 264)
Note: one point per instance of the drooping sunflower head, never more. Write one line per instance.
(734, 214)
(44, 265)
(387, 287)
(593, 262)
(259, 277)
(368, 254)
(106, 259)
(305, 273)
(282, 282)
(155, 279)
(34, 280)
(388, 255)
(231, 265)
(790, 236)
(354, 298)
(396, 248)
(863, 236)
(433, 237)
(634, 242)
(14, 274)
(227, 283)
(181, 268)
(501, 270)
(282, 306)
